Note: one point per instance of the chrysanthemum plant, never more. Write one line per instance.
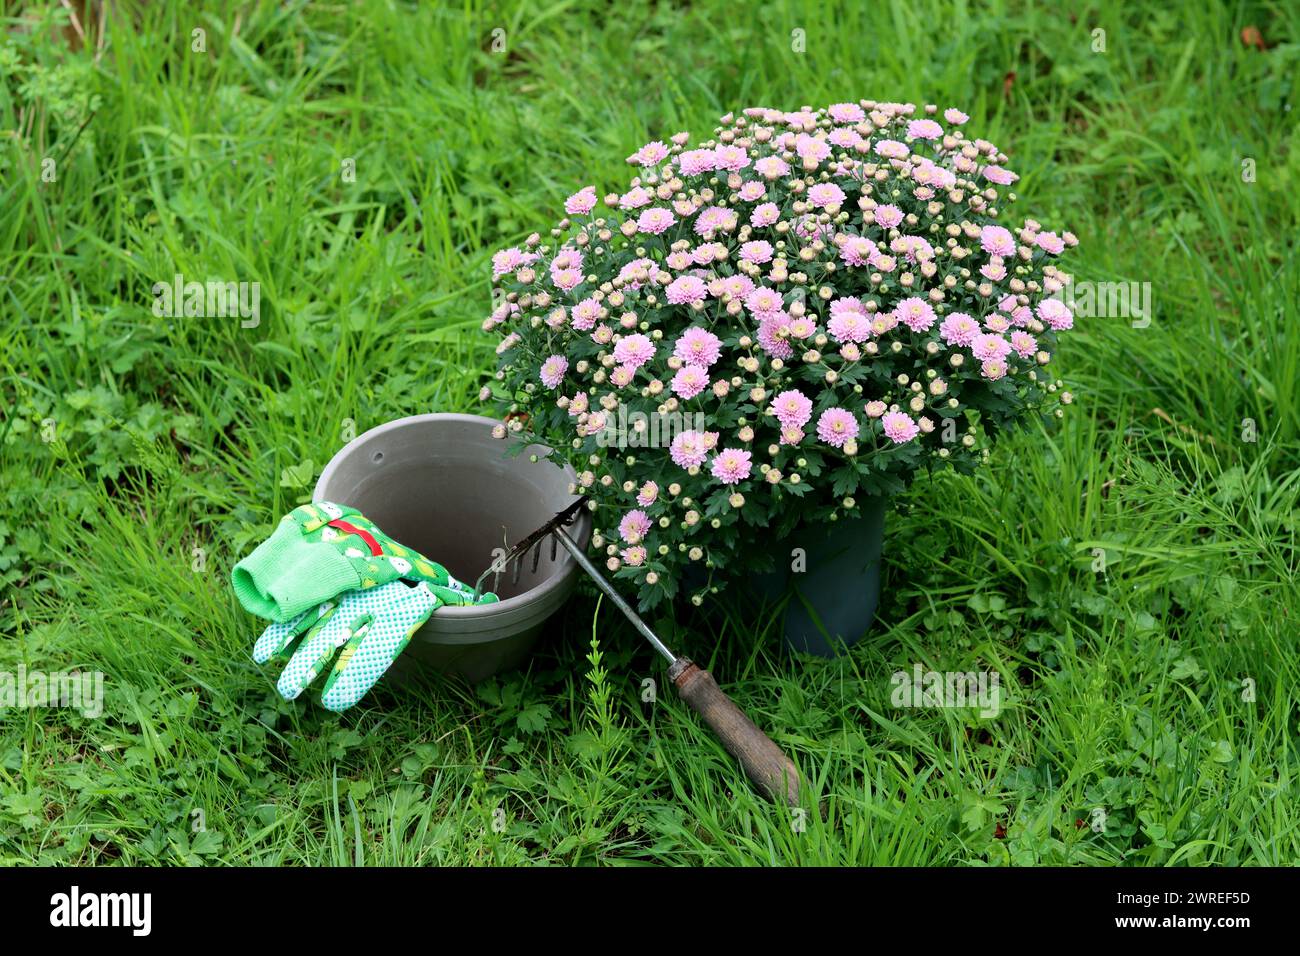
(770, 326)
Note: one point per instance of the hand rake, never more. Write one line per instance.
(764, 762)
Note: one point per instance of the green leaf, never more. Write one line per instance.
(533, 718)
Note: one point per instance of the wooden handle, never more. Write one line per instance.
(767, 766)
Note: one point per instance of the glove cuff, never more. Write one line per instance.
(286, 575)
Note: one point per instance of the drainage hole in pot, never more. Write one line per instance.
(377, 457)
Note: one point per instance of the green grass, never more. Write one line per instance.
(129, 441)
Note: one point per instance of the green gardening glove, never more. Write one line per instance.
(372, 626)
(321, 550)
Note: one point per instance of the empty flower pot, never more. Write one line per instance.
(444, 486)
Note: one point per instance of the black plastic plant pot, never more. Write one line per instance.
(832, 574)
(441, 484)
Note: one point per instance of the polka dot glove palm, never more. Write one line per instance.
(371, 626)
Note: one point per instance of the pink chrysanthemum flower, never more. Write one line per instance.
(567, 259)
(709, 252)
(689, 381)
(765, 214)
(802, 328)
(888, 216)
(929, 174)
(993, 369)
(924, 129)
(553, 369)
(655, 220)
(811, 149)
(686, 290)
(566, 280)
(730, 158)
(715, 218)
(634, 556)
(846, 113)
(508, 260)
(994, 271)
(698, 346)
(835, 426)
(849, 325)
(790, 435)
(848, 304)
(585, 314)
(987, 347)
(581, 202)
(857, 251)
(825, 194)
(882, 262)
(1050, 242)
(1024, 344)
(999, 175)
(899, 427)
(731, 466)
(792, 408)
(845, 138)
(758, 251)
(892, 149)
(1056, 314)
(737, 286)
(648, 494)
(768, 339)
(688, 449)
(883, 322)
(997, 241)
(752, 191)
(914, 249)
(634, 526)
(955, 116)
(634, 350)
(635, 198)
(916, 314)
(763, 301)
(651, 154)
(636, 272)
(621, 376)
(693, 162)
(772, 167)
(875, 409)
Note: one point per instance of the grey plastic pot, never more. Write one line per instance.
(833, 579)
(443, 485)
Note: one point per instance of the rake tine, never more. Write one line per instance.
(537, 556)
(555, 548)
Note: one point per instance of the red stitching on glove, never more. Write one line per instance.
(365, 536)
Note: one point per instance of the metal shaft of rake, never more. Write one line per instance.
(584, 562)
